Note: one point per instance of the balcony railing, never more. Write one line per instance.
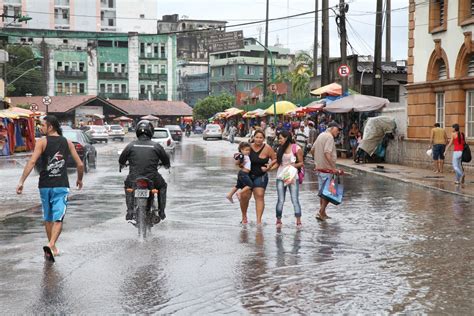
(151, 56)
(154, 96)
(113, 75)
(150, 76)
(112, 95)
(61, 74)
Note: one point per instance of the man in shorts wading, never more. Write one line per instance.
(325, 155)
(52, 153)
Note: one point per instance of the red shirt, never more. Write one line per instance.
(459, 146)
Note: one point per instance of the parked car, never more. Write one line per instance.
(176, 132)
(116, 132)
(84, 147)
(212, 131)
(97, 133)
(163, 137)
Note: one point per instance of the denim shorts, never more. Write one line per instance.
(260, 181)
(322, 178)
(438, 151)
(243, 180)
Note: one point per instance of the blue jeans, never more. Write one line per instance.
(294, 192)
(457, 155)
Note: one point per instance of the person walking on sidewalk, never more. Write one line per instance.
(52, 152)
(438, 141)
(458, 139)
(325, 155)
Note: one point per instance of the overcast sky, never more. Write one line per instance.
(297, 33)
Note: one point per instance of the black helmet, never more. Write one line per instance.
(145, 127)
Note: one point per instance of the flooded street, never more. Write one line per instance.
(389, 248)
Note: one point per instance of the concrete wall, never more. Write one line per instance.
(130, 11)
(133, 67)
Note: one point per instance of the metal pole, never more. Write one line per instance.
(265, 53)
(388, 31)
(315, 46)
(325, 45)
(378, 50)
(273, 78)
(343, 43)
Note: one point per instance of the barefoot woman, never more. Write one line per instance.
(260, 153)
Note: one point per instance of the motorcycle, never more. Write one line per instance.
(145, 202)
(188, 133)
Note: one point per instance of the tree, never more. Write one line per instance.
(211, 105)
(300, 79)
(22, 60)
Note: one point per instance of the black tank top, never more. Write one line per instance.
(257, 162)
(53, 163)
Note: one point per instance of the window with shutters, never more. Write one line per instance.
(438, 15)
(470, 114)
(466, 12)
(442, 73)
(440, 108)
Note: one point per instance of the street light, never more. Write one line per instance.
(25, 61)
(31, 69)
(273, 80)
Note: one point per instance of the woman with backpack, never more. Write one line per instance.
(288, 155)
(458, 139)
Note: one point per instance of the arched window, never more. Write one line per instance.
(470, 66)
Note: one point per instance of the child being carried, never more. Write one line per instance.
(244, 183)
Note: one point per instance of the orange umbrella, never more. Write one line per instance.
(330, 89)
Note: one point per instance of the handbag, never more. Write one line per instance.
(300, 170)
(332, 190)
(466, 153)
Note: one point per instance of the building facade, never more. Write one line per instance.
(440, 72)
(110, 65)
(239, 72)
(84, 15)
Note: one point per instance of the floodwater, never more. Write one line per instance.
(389, 248)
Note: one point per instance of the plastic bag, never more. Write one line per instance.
(288, 175)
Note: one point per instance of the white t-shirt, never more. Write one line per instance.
(247, 164)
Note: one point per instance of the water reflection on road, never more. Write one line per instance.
(390, 248)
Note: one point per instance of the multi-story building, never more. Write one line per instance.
(111, 65)
(440, 72)
(192, 53)
(238, 72)
(84, 15)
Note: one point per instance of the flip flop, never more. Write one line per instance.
(48, 254)
(320, 218)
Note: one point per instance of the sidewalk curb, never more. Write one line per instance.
(407, 181)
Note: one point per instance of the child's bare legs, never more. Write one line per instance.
(231, 194)
(244, 190)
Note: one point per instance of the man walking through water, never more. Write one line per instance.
(52, 152)
(325, 155)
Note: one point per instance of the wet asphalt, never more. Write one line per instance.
(389, 248)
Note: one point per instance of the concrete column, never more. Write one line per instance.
(51, 76)
(92, 70)
(133, 65)
(171, 60)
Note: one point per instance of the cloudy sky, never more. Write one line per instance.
(297, 33)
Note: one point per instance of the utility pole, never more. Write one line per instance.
(388, 30)
(265, 54)
(325, 45)
(378, 50)
(315, 47)
(342, 28)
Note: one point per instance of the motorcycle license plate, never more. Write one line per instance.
(142, 193)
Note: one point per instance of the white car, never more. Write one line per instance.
(163, 137)
(116, 132)
(98, 133)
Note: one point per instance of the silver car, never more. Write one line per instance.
(98, 133)
(163, 137)
(116, 132)
(212, 131)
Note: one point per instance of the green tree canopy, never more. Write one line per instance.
(22, 60)
(211, 105)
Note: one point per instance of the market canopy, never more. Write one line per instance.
(123, 118)
(356, 103)
(281, 107)
(315, 106)
(330, 89)
(255, 113)
(150, 117)
(233, 111)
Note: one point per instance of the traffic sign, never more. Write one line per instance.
(225, 41)
(273, 87)
(343, 70)
(47, 100)
(34, 107)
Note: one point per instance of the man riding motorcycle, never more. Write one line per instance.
(144, 156)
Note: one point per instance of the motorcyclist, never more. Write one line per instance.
(144, 156)
(188, 129)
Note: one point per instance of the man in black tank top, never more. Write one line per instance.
(52, 153)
